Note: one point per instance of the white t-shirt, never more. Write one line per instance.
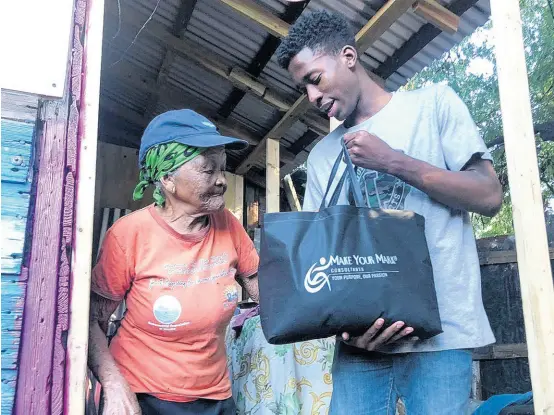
(431, 124)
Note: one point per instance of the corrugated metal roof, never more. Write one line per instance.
(220, 33)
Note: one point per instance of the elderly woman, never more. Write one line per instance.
(175, 263)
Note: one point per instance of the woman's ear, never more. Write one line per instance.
(168, 184)
(349, 56)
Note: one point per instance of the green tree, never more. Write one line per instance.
(470, 69)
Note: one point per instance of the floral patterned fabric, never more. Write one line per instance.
(279, 380)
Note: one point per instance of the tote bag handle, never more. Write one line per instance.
(349, 174)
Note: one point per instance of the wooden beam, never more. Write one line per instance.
(380, 22)
(292, 197)
(39, 316)
(279, 129)
(179, 27)
(535, 273)
(77, 339)
(501, 352)
(260, 15)
(263, 56)
(503, 257)
(418, 41)
(437, 15)
(273, 188)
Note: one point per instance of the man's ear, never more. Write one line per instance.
(349, 54)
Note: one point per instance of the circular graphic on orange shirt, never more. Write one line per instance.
(167, 309)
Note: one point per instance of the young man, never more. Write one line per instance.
(419, 151)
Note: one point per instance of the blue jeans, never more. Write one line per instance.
(431, 383)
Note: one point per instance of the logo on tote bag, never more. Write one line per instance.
(346, 268)
(316, 278)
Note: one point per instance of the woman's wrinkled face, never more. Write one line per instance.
(201, 182)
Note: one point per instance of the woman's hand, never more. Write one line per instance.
(119, 399)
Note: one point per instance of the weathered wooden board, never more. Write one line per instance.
(13, 295)
(17, 142)
(40, 313)
(502, 300)
(16, 160)
(9, 380)
(15, 205)
(19, 107)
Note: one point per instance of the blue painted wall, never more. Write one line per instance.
(17, 146)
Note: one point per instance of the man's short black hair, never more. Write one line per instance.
(321, 31)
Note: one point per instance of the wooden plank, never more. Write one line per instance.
(234, 201)
(263, 56)
(17, 143)
(19, 107)
(239, 198)
(234, 197)
(260, 15)
(66, 248)
(77, 337)
(34, 383)
(13, 300)
(273, 187)
(15, 207)
(121, 162)
(9, 381)
(437, 15)
(503, 257)
(418, 41)
(535, 273)
(380, 22)
(501, 352)
(292, 197)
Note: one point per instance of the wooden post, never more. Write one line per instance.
(34, 381)
(292, 197)
(273, 188)
(77, 341)
(239, 198)
(234, 201)
(537, 290)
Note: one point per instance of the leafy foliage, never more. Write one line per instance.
(470, 69)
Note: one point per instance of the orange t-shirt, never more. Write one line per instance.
(180, 295)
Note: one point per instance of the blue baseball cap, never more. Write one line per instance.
(185, 127)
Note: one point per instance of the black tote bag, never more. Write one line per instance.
(338, 270)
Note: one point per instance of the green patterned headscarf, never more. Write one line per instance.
(160, 161)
